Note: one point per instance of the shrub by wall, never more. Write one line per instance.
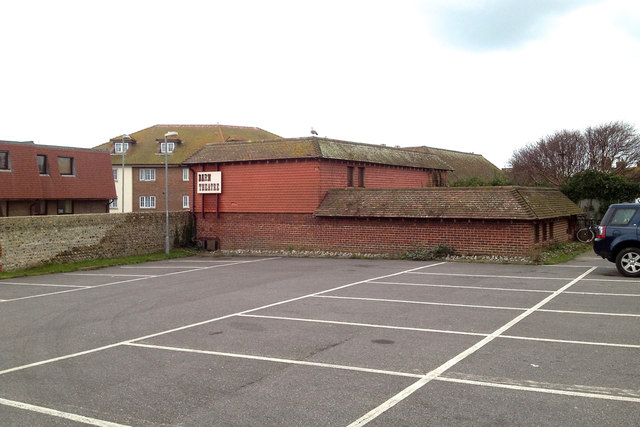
(34, 240)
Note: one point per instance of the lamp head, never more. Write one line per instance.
(171, 134)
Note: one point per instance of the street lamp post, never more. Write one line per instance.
(127, 137)
(166, 189)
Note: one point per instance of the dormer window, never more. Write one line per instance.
(169, 147)
(120, 147)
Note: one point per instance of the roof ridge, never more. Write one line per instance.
(441, 149)
(523, 200)
(205, 125)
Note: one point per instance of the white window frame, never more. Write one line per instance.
(185, 202)
(113, 204)
(115, 175)
(120, 147)
(147, 174)
(185, 174)
(171, 146)
(147, 202)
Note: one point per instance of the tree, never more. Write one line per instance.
(610, 144)
(552, 160)
(604, 186)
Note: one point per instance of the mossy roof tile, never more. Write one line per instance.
(313, 147)
(517, 203)
(144, 150)
(465, 165)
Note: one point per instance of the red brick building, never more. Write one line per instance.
(321, 194)
(49, 180)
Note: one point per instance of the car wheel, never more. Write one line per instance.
(628, 262)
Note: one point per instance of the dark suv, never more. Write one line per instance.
(617, 238)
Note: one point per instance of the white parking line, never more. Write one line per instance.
(491, 288)
(487, 288)
(137, 277)
(109, 275)
(491, 276)
(438, 331)
(595, 313)
(42, 284)
(54, 412)
(492, 307)
(592, 395)
(277, 359)
(376, 412)
(160, 267)
(539, 387)
(366, 325)
(444, 304)
(204, 322)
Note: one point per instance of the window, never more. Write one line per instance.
(185, 202)
(622, 216)
(147, 202)
(65, 165)
(170, 147)
(147, 174)
(349, 176)
(360, 177)
(4, 160)
(43, 164)
(39, 207)
(65, 207)
(121, 147)
(115, 174)
(185, 174)
(113, 204)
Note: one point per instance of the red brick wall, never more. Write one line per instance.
(305, 232)
(177, 188)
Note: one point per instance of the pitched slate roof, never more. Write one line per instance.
(518, 203)
(465, 165)
(144, 150)
(92, 178)
(314, 148)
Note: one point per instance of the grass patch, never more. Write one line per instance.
(94, 264)
(562, 253)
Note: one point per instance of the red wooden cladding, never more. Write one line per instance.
(297, 186)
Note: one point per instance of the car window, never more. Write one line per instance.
(622, 216)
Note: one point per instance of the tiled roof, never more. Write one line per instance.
(92, 178)
(313, 147)
(465, 165)
(519, 203)
(144, 149)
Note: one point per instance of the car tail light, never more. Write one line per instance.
(600, 231)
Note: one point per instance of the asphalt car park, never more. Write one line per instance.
(302, 341)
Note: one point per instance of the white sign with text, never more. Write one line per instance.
(209, 182)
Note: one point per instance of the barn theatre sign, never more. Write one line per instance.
(209, 182)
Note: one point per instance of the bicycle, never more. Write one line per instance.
(586, 233)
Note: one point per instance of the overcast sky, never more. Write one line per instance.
(477, 76)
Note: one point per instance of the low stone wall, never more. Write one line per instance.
(34, 240)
